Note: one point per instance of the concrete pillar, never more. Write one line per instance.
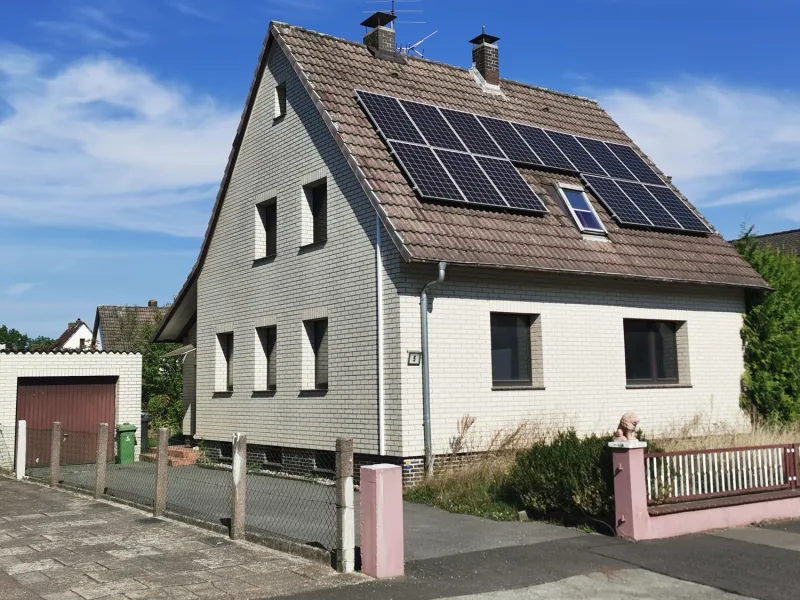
(239, 503)
(630, 489)
(55, 455)
(162, 457)
(22, 449)
(382, 549)
(345, 507)
(101, 461)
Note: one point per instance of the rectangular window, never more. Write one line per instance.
(320, 344)
(268, 215)
(280, 101)
(651, 351)
(581, 209)
(268, 373)
(319, 212)
(511, 350)
(225, 371)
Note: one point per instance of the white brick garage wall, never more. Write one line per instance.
(582, 347)
(126, 367)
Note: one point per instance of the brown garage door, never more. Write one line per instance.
(80, 404)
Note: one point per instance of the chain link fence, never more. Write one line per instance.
(293, 508)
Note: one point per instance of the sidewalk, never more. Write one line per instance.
(63, 546)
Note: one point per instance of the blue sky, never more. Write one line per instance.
(116, 118)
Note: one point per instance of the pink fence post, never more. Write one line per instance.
(382, 545)
(630, 489)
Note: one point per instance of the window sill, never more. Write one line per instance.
(312, 246)
(651, 386)
(263, 393)
(222, 394)
(511, 388)
(312, 393)
(264, 260)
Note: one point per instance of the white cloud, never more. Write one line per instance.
(93, 26)
(104, 143)
(17, 289)
(722, 144)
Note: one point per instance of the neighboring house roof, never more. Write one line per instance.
(785, 240)
(331, 69)
(118, 326)
(70, 331)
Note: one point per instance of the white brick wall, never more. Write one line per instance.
(583, 352)
(336, 280)
(127, 367)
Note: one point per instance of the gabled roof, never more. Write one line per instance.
(71, 330)
(331, 69)
(788, 241)
(122, 327)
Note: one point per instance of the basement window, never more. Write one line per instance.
(581, 209)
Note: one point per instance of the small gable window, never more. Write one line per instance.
(581, 209)
(280, 101)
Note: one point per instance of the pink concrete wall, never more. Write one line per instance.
(635, 523)
(382, 543)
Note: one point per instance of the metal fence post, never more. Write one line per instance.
(160, 499)
(101, 460)
(345, 515)
(22, 448)
(239, 472)
(55, 455)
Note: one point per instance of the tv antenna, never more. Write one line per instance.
(413, 47)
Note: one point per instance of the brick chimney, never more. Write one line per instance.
(485, 57)
(152, 303)
(380, 38)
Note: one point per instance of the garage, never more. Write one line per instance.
(78, 389)
(78, 403)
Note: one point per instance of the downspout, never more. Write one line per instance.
(426, 381)
(379, 317)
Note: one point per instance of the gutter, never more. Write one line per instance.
(379, 318)
(426, 380)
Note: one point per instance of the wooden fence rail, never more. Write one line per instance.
(699, 474)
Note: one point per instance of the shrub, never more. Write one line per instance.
(165, 411)
(570, 475)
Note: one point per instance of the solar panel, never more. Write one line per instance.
(390, 118)
(648, 205)
(678, 208)
(432, 125)
(470, 178)
(606, 158)
(635, 164)
(509, 140)
(426, 172)
(575, 153)
(544, 147)
(614, 200)
(514, 188)
(472, 133)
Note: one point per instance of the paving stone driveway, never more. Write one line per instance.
(58, 545)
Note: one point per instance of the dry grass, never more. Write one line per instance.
(471, 479)
(700, 434)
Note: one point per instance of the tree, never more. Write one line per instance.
(771, 334)
(15, 340)
(162, 378)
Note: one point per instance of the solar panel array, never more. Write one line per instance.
(461, 157)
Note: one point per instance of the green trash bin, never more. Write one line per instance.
(126, 443)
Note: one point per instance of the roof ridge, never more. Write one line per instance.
(437, 62)
(761, 235)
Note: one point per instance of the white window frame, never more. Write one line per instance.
(577, 188)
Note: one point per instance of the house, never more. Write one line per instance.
(337, 219)
(123, 328)
(788, 241)
(77, 336)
